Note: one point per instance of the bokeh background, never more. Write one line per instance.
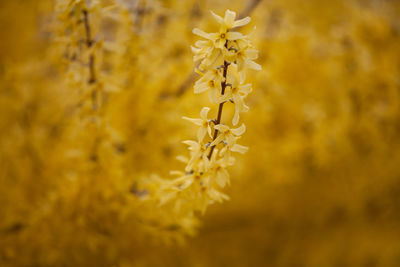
(320, 185)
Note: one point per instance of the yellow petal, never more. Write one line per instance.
(202, 33)
(221, 127)
(219, 19)
(221, 179)
(198, 122)
(241, 22)
(199, 88)
(239, 148)
(234, 35)
(192, 144)
(204, 112)
(253, 65)
(217, 140)
(230, 139)
(236, 117)
(251, 53)
(229, 18)
(239, 131)
(201, 132)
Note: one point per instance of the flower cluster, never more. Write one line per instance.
(224, 57)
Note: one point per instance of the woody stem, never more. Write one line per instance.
(89, 44)
(221, 105)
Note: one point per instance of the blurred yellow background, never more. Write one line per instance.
(320, 185)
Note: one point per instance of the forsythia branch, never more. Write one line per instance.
(223, 57)
(89, 44)
(221, 105)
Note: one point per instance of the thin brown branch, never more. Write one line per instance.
(89, 44)
(249, 8)
(221, 105)
(89, 41)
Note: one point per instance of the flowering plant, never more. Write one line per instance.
(224, 57)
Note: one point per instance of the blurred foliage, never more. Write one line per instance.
(320, 185)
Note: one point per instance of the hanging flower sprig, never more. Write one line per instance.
(224, 57)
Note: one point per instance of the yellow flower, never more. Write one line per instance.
(227, 23)
(204, 84)
(218, 170)
(243, 56)
(227, 134)
(226, 153)
(215, 195)
(237, 92)
(184, 181)
(203, 122)
(214, 60)
(211, 81)
(202, 49)
(197, 151)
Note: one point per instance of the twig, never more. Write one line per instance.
(89, 44)
(250, 7)
(221, 105)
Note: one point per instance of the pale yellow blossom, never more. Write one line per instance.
(226, 24)
(203, 123)
(227, 134)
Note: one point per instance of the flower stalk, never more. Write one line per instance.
(223, 57)
(220, 107)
